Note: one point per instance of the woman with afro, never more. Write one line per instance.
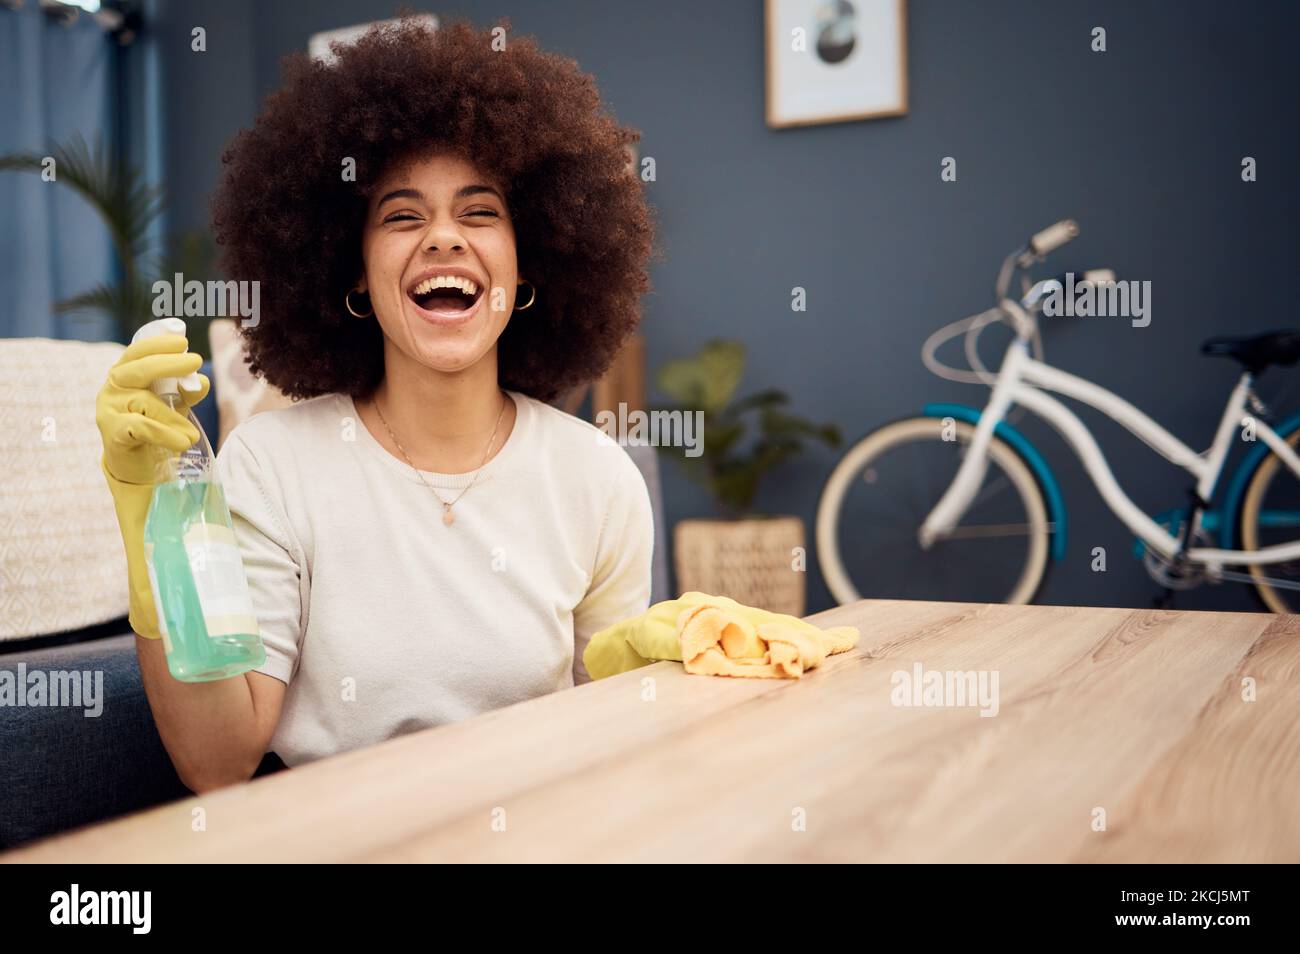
(447, 236)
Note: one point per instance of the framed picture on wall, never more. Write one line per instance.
(835, 60)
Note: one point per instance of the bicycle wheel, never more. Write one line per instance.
(1270, 514)
(880, 493)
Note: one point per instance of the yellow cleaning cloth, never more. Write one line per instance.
(715, 636)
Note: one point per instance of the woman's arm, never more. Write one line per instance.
(620, 579)
(214, 732)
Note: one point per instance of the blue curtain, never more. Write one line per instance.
(55, 82)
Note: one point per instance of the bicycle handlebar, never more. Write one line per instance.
(1020, 312)
(1054, 236)
(1048, 240)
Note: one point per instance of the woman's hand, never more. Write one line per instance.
(132, 419)
(133, 422)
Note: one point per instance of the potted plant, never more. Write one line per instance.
(128, 207)
(748, 556)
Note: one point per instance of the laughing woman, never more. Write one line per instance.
(447, 237)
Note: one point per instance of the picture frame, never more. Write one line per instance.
(852, 65)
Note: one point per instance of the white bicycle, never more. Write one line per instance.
(957, 504)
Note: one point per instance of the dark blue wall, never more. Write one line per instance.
(1142, 144)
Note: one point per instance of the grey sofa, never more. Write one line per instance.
(63, 769)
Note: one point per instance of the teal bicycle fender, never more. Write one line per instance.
(1046, 479)
(1240, 477)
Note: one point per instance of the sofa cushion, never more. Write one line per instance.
(62, 566)
(67, 766)
(240, 394)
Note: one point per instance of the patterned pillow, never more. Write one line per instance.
(61, 561)
(239, 393)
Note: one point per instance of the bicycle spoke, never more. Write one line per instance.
(890, 495)
(998, 483)
(922, 491)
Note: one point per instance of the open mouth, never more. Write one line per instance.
(446, 294)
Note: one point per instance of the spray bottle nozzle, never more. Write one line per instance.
(166, 326)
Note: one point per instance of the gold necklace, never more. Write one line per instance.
(447, 517)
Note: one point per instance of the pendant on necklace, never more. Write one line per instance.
(447, 516)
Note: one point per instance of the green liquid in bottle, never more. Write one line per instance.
(198, 580)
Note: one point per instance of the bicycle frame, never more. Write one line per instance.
(1021, 380)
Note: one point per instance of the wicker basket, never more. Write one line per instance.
(749, 560)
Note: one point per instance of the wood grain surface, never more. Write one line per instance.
(1179, 730)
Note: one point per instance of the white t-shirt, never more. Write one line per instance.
(382, 620)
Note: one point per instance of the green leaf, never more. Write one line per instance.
(763, 399)
(719, 439)
(776, 423)
(117, 192)
(130, 305)
(707, 380)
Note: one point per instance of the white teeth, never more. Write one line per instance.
(445, 281)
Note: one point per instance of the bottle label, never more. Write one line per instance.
(157, 603)
(219, 580)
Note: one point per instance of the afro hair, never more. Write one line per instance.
(285, 216)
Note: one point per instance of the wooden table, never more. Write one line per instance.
(1137, 713)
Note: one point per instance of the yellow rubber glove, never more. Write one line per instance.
(133, 423)
(757, 641)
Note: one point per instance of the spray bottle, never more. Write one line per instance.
(205, 612)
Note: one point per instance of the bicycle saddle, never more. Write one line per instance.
(1258, 352)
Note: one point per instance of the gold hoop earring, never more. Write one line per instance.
(347, 303)
(532, 298)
